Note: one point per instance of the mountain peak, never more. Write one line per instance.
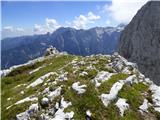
(121, 25)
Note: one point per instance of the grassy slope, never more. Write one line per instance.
(21, 76)
(80, 103)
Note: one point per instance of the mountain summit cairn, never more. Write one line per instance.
(51, 50)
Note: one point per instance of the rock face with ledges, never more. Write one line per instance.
(140, 40)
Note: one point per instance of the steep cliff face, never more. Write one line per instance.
(140, 40)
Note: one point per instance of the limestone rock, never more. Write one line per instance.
(140, 40)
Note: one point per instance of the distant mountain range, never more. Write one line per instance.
(96, 40)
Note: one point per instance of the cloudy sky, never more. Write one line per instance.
(38, 17)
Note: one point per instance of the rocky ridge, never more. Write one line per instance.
(74, 87)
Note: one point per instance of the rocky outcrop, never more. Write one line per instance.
(110, 88)
(140, 40)
(51, 50)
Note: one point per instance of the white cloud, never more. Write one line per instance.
(52, 24)
(38, 28)
(8, 28)
(123, 11)
(91, 16)
(81, 21)
(67, 23)
(49, 26)
(19, 29)
(12, 31)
